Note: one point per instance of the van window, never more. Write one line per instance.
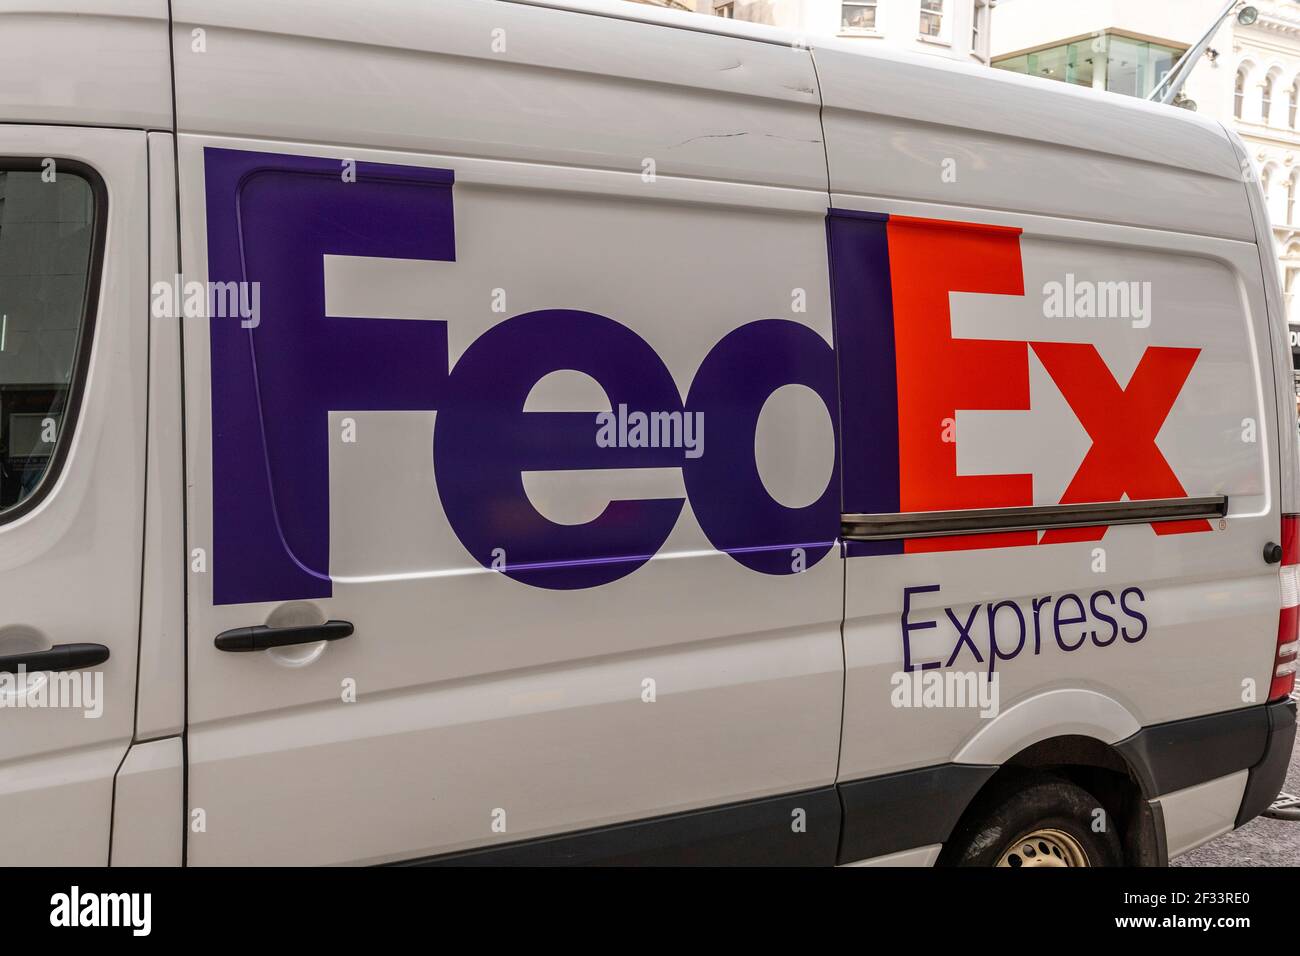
(48, 221)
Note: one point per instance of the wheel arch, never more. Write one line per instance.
(1096, 766)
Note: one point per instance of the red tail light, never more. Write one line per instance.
(1288, 623)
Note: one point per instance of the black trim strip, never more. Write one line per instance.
(1160, 845)
(86, 328)
(903, 811)
(755, 833)
(936, 524)
(1183, 753)
(1267, 776)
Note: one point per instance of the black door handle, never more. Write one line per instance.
(261, 637)
(60, 657)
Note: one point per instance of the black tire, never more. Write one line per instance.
(1014, 811)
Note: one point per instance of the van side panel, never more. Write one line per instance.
(72, 564)
(1198, 814)
(1283, 369)
(1069, 325)
(553, 631)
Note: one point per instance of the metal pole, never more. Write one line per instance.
(1172, 85)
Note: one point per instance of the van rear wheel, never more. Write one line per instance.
(1045, 846)
(1036, 821)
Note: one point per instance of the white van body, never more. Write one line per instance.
(672, 413)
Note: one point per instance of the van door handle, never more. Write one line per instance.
(60, 657)
(261, 637)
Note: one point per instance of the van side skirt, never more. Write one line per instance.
(766, 832)
(875, 816)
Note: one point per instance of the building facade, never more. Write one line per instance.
(1248, 79)
(686, 6)
(954, 28)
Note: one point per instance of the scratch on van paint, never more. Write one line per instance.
(792, 139)
(710, 136)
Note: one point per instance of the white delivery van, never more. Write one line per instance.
(565, 431)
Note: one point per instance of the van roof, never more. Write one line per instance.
(1100, 107)
(114, 64)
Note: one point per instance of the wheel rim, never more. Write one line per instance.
(1044, 847)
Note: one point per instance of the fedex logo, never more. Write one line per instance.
(272, 219)
(904, 380)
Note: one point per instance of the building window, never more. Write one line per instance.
(979, 26)
(1266, 99)
(1290, 200)
(1292, 285)
(1239, 98)
(1276, 187)
(932, 18)
(1109, 61)
(858, 16)
(727, 10)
